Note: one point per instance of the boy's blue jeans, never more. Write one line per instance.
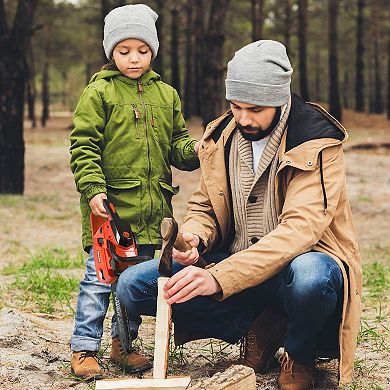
(92, 306)
(309, 291)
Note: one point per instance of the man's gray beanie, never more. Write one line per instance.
(259, 73)
(135, 21)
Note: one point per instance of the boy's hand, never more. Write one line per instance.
(192, 255)
(189, 283)
(96, 205)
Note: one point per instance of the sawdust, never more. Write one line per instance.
(34, 351)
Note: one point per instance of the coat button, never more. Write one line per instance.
(254, 240)
(252, 199)
(288, 162)
(220, 193)
(309, 163)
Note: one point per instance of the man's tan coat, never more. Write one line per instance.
(303, 223)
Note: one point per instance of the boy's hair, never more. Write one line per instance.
(135, 21)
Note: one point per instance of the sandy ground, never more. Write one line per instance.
(34, 352)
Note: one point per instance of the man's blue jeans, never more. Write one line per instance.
(309, 291)
(92, 306)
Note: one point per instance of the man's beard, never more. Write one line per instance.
(260, 133)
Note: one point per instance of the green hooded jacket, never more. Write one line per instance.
(127, 134)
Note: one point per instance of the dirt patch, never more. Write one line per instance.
(34, 352)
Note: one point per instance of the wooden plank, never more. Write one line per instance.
(234, 378)
(162, 332)
(177, 383)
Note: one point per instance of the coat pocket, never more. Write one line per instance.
(162, 124)
(125, 194)
(167, 192)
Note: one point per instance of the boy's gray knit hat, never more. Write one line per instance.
(135, 21)
(259, 73)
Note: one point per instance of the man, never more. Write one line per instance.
(272, 218)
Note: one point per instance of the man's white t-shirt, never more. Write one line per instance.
(257, 150)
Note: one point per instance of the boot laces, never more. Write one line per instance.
(286, 362)
(247, 343)
(87, 354)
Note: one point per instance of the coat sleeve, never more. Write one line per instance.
(300, 226)
(86, 142)
(183, 155)
(200, 218)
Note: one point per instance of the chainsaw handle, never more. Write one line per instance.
(110, 210)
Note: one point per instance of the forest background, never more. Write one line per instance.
(340, 52)
(50, 49)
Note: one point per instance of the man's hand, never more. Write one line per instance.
(96, 205)
(189, 283)
(192, 255)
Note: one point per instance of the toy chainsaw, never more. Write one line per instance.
(114, 245)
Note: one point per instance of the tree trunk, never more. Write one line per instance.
(213, 68)
(318, 75)
(334, 95)
(31, 90)
(287, 25)
(175, 64)
(158, 62)
(199, 50)
(257, 19)
(189, 82)
(378, 102)
(345, 91)
(13, 78)
(302, 43)
(388, 76)
(45, 77)
(359, 63)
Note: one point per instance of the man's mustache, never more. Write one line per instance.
(248, 128)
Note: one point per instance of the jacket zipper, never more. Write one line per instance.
(140, 90)
(136, 119)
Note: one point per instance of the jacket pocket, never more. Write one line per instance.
(125, 194)
(167, 192)
(162, 124)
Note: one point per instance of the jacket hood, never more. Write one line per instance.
(308, 121)
(111, 74)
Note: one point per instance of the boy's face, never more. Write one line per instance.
(132, 57)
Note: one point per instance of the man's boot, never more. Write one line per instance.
(132, 363)
(84, 364)
(263, 339)
(295, 376)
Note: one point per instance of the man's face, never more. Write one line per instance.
(253, 121)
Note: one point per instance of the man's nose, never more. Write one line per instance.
(245, 119)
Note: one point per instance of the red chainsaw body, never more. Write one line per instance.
(114, 245)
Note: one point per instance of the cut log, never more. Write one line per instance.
(162, 332)
(234, 378)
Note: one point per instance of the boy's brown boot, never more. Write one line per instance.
(84, 364)
(132, 363)
(263, 339)
(295, 376)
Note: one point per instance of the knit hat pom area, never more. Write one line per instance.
(137, 21)
(260, 73)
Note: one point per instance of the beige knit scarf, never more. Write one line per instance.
(245, 182)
